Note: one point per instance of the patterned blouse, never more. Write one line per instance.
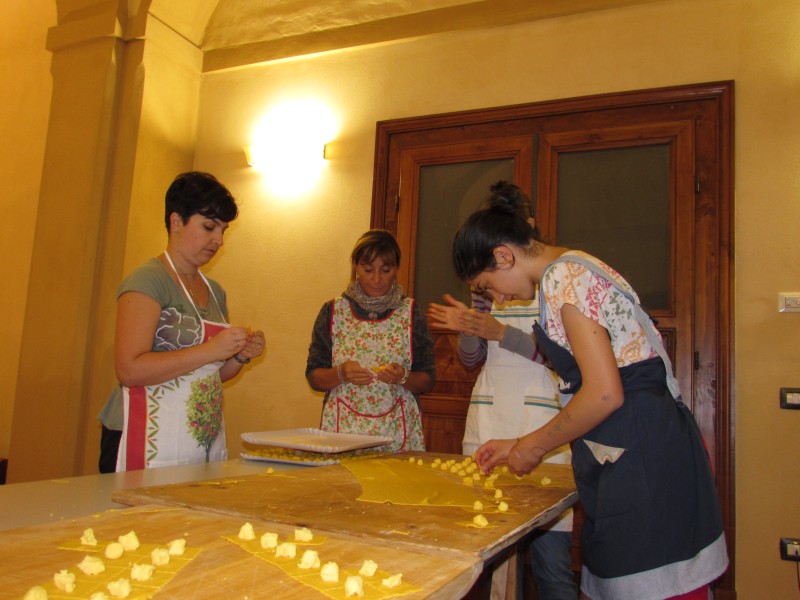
(572, 283)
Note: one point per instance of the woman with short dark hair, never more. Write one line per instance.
(174, 345)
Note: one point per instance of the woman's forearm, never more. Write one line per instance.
(323, 380)
(418, 382)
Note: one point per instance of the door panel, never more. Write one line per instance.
(679, 143)
(632, 203)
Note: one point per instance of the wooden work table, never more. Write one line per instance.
(426, 543)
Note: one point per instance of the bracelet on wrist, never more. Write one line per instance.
(240, 360)
(340, 374)
(404, 378)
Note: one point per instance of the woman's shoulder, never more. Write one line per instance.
(145, 278)
(574, 264)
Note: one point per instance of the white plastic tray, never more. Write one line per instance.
(291, 461)
(314, 440)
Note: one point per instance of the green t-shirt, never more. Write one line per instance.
(178, 325)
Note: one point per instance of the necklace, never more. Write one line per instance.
(184, 277)
(189, 285)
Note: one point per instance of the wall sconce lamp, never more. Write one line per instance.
(253, 161)
(289, 146)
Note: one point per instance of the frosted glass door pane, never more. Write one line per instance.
(614, 204)
(448, 194)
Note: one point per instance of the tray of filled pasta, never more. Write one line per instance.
(313, 440)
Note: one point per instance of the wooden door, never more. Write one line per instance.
(690, 128)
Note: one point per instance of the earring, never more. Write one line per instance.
(175, 230)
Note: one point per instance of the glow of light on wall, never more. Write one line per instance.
(288, 146)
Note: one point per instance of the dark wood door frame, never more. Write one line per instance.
(712, 379)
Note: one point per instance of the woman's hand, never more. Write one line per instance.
(459, 318)
(493, 453)
(354, 373)
(524, 456)
(254, 344)
(391, 373)
(521, 455)
(229, 341)
(448, 317)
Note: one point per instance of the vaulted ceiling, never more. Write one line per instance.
(239, 32)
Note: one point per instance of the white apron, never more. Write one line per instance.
(178, 421)
(513, 395)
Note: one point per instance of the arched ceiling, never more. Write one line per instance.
(235, 33)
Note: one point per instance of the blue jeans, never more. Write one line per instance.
(552, 565)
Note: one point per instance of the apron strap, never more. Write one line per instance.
(642, 318)
(189, 296)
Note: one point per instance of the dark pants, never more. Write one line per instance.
(109, 447)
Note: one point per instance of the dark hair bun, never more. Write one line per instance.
(506, 198)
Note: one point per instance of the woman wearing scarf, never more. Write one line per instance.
(371, 351)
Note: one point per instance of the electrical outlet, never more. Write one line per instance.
(790, 398)
(790, 549)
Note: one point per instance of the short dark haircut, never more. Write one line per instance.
(200, 193)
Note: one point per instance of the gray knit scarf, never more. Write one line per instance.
(375, 305)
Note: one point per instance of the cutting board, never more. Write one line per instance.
(326, 498)
(31, 556)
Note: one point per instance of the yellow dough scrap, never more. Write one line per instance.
(480, 521)
(303, 535)
(309, 560)
(159, 557)
(92, 565)
(177, 547)
(419, 462)
(546, 480)
(378, 368)
(469, 481)
(98, 596)
(64, 580)
(246, 532)
(37, 592)
(330, 572)
(141, 572)
(114, 550)
(498, 493)
(88, 539)
(478, 505)
(129, 541)
(286, 549)
(502, 507)
(393, 581)
(121, 588)
(353, 586)
(368, 568)
(269, 540)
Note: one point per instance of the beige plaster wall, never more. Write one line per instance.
(284, 257)
(161, 97)
(23, 120)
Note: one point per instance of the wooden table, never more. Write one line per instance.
(31, 556)
(425, 543)
(326, 499)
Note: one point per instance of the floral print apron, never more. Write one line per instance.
(378, 408)
(178, 421)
